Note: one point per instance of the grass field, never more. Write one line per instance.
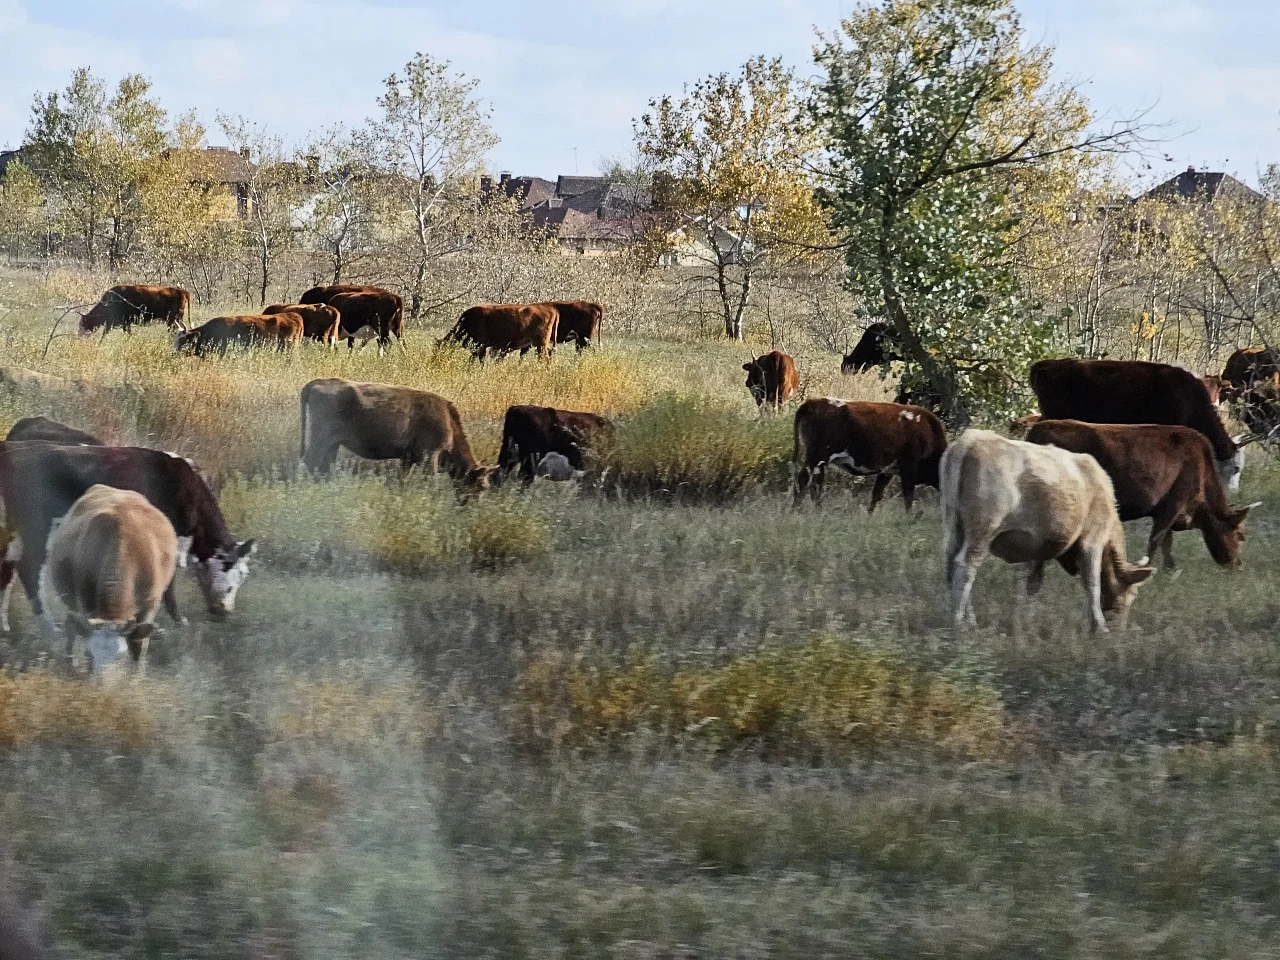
(646, 726)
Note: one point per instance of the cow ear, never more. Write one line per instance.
(1133, 576)
(245, 549)
(1238, 517)
(140, 632)
(747, 367)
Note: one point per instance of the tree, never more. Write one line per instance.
(99, 158)
(345, 212)
(430, 142)
(272, 190)
(941, 130)
(21, 214)
(728, 158)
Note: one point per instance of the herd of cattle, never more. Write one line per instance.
(107, 527)
(332, 313)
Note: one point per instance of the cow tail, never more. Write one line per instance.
(306, 395)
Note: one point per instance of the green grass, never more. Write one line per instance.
(629, 723)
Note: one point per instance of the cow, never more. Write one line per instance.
(379, 310)
(579, 321)
(127, 305)
(40, 481)
(1163, 472)
(529, 433)
(1135, 391)
(1247, 367)
(111, 561)
(1029, 505)
(868, 439)
(320, 321)
(324, 293)
(376, 421)
(283, 330)
(502, 328)
(50, 431)
(874, 349)
(772, 379)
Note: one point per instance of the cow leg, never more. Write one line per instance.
(799, 485)
(1033, 581)
(171, 603)
(964, 571)
(528, 468)
(1091, 579)
(29, 574)
(877, 490)
(1162, 522)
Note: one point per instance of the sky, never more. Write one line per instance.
(565, 80)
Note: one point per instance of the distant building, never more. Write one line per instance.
(1201, 186)
(221, 169)
(585, 215)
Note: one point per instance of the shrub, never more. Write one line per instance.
(40, 709)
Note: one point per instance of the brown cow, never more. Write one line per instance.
(320, 321)
(1163, 472)
(530, 433)
(378, 310)
(1135, 391)
(44, 430)
(221, 333)
(376, 421)
(130, 304)
(1030, 505)
(501, 328)
(866, 438)
(772, 379)
(111, 561)
(1247, 367)
(579, 321)
(324, 293)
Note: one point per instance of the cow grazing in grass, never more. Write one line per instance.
(1163, 472)
(39, 482)
(378, 311)
(529, 433)
(501, 328)
(111, 561)
(320, 321)
(1134, 391)
(1247, 367)
(376, 421)
(874, 349)
(280, 330)
(1029, 505)
(128, 305)
(772, 379)
(44, 430)
(868, 439)
(579, 322)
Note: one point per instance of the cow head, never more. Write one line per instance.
(1225, 535)
(222, 574)
(92, 320)
(481, 478)
(1120, 582)
(1229, 470)
(756, 380)
(105, 642)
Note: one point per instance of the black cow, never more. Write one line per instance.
(530, 433)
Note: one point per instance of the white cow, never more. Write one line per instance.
(110, 561)
(1029, 504)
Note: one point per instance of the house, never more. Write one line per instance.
(220, 169)
(1201, 186)
(584, 215)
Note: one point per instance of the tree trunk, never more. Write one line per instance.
(732, 325)
(742, 303)
(266, 273)
(415, 299)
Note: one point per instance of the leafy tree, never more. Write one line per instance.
(344, 214)
(942, 131)
(21, 215)
(430, 142)
(99, 157)
(728, 158)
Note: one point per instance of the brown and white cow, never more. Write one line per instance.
(129, 304)
(530, 434)
(320, 321)
(866, 439)
(377, 421)
(579, 322)
(40, 481)
(1135, 391)
(50, 431)
(280, 330)
(111, 561)
(502, 328)
(1030, 505)
(1163, 472)
(379, 311)
(772, 379)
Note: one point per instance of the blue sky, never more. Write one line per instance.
(575, 73)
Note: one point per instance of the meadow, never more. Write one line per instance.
(674, 717)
